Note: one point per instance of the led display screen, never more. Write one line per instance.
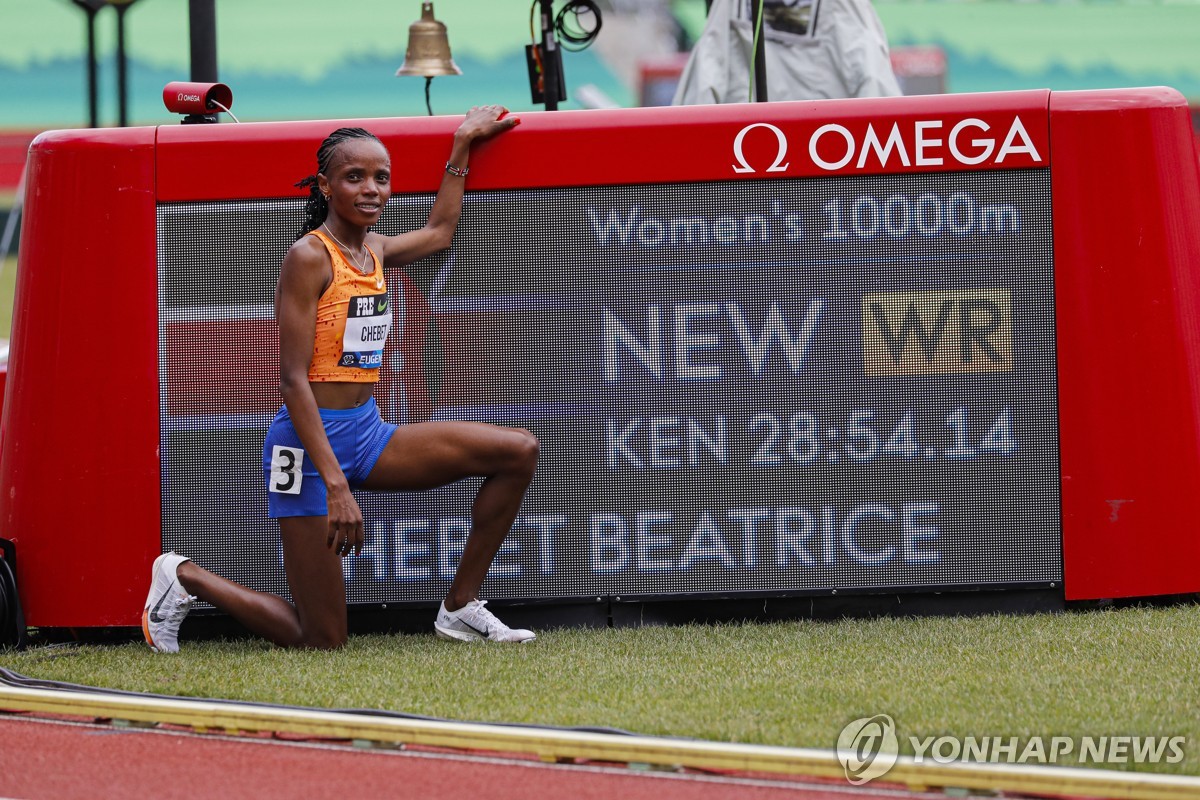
(758, 386)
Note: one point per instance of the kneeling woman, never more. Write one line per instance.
(329, 437)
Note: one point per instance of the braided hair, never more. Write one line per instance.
(316, 207)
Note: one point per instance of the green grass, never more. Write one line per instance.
(1126, 672)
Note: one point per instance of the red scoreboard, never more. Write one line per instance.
(921, 344)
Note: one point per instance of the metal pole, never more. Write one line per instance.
(550, 76)
(92, 77)
(760, 57)
(122, 70)
(202, 21)
(93, 104)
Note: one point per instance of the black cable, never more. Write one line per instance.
(12, 619)
(574, 34)
(5, 602)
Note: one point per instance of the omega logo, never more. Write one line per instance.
(188, 98)
(905, 143)
(776, 166)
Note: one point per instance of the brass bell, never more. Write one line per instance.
(428, 50)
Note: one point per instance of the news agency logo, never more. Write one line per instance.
(867, 748)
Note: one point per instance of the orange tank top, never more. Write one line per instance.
(353, 320)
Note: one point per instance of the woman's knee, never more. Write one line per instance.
(323, 639)
(525, 449)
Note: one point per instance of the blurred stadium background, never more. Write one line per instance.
(312, 59)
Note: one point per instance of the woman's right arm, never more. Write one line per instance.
(303, 278)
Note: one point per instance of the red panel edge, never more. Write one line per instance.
(79, 449)
(1127, 239)
(591, 148)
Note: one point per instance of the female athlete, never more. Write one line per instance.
(331, 304)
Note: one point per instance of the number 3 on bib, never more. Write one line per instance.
(286, 476)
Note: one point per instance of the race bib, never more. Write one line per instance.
(286, 474)
(368, 321)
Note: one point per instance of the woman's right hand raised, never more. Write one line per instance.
(484, 122)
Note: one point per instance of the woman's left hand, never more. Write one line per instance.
(484, 122)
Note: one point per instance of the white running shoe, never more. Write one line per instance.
(473, 623)
(166, 605)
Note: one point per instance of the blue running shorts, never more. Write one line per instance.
(294, 487)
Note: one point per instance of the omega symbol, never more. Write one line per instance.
(741, 158)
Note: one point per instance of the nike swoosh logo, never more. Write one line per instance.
(154, 617)
(484, 634)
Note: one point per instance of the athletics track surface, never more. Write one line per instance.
(44, 758)
(57, 743)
